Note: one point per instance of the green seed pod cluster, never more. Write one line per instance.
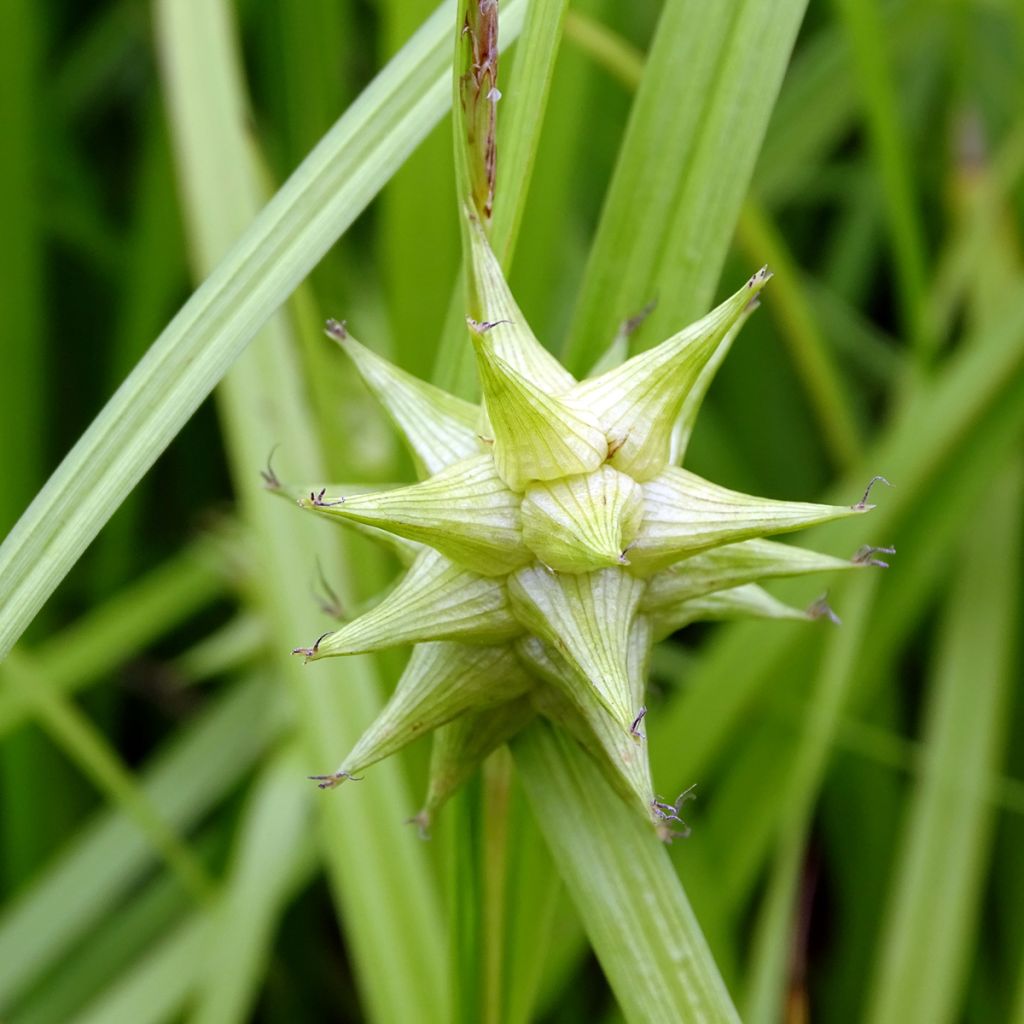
(551, 541)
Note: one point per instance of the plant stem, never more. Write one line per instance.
(624, 886)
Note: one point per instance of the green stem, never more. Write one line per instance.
(497, 782)
(465, 891)
(624, 886)
(387, 900)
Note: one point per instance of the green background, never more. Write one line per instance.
(856, 846)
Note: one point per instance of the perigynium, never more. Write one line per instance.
(552, 540)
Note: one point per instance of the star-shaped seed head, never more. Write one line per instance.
(551, 541)
(552, 538)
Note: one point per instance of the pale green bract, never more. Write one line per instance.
(553, 542)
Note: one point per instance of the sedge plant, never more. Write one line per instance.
(551, 542)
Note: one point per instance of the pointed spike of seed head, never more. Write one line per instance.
(748, 601)
(462, 745)
(405, 550)
(685, 514)
(686, 418)
(536, 435)
(438, 428)
(441, 682)
(732, 565)
(435, 600)
(508, 335)
(620, 754)
(638, 402)
(466, 512)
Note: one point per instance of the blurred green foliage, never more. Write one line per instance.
(856, 845)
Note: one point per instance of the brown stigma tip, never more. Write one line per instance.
(336, 329)
(634, 729)
(334, 779)
(862, 505)
(866, 556)
(311, 652)
(821, 609)
(422, 822)
(271, 481)
(483, 326)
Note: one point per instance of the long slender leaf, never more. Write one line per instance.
(374, 862)
(118, 940)
(154, 990)
(936, 886)
(27, 821)
(201, 766)
(273, 842)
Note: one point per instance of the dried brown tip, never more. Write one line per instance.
(634, 729)
(310, 652)
(336, 329)
(821, 609)
(631, 325)
(422, 821)
(483, 326)
(334, 779)
(862, 505)
(326, 598)
(479, 95)
(270, 479)
(866, 556)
